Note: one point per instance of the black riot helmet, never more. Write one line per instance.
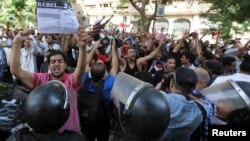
(147, 116)
(143, 111)
(46, 108)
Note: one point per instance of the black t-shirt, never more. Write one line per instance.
(72, 55)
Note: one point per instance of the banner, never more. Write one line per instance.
(56, 16)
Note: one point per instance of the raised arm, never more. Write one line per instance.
(150, 42)
(66, 43)
(115, 64)
(92, 52)
(247, 44)
(180, 42)
(82, 59)
(151, 55)
(198, 46)
(15, 67)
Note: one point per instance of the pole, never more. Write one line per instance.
(156, 4)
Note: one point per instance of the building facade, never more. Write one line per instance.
(175, 18)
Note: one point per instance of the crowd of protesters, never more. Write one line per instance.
(36, 58)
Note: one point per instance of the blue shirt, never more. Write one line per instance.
(185, 117)
(210, 113)
(108, 84)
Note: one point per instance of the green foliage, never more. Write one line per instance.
(121, 4)
(22, 11)
(231, 15)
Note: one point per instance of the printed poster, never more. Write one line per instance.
(56, 16)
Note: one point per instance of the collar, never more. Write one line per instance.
(62, 79)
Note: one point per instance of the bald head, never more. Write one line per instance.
(203, 77)
(202, 74)
(97, 71)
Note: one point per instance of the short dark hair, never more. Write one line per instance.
(208, 55)
(189, 55)
(245, 65)
(56, 52)
(53, 37)
(167, 57)
(185, 79)
(216, 67)
(227, 61)
(144, 76)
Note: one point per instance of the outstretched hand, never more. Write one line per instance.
(82, 37)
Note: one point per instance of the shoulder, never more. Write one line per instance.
(109, 81)
(220, 79)
(56, 46)
(85, 76)
(40, 78)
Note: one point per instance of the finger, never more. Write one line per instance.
(24, 33)
(86, 37)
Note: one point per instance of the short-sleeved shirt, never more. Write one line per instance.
(185, 117)
(108, 84)
(73, 123)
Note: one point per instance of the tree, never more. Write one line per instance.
(145, 19)
(230, 15)
(22, 11)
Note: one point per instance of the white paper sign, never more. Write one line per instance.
(56, 16)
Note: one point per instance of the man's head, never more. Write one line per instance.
(187, 58)
(27, 43)
(57, 63)
(203, 78)
(229, 64)
(169, 62)
(73, 41)
(97, 71)
(49, 38)
(184, 80)
(158, 56)
(245, 65)
(207, 55)
(131, 53)
(214, 67)
(138, 39)
(127, 41)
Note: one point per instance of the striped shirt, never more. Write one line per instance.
(73, 123)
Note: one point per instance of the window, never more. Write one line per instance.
(105, 5)
(161, 25)
(180, 26)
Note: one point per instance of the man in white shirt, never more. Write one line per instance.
(243, 75)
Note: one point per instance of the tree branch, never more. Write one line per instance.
(135, 6)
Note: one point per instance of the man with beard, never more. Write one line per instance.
(57, 65)
(131, 65)
(161, 76)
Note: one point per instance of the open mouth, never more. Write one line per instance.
(56, 70)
